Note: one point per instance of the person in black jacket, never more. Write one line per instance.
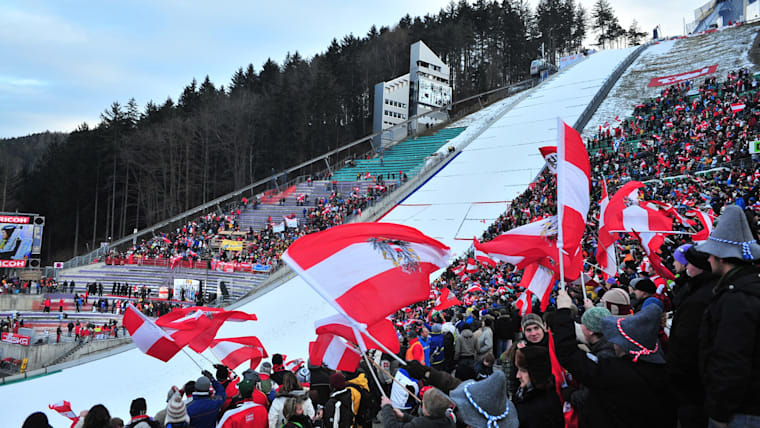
(536, 400)
(631, 390)
(683, 353)
(729, 349)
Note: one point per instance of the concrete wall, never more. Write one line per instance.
(18, 302)
(41, 355)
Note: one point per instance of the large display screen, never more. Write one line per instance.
(433, 93)
(20, 240)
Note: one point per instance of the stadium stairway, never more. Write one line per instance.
(407, 156)
(238, 283)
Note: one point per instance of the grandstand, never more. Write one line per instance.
(498, 162)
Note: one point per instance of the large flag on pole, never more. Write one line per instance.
(368, 271)
(605, 250)
(446, 300)
(149, 337)
(234, 351)
(196, 326)
(573, 181)
(333, 352)
(339, 325)
(538, 279)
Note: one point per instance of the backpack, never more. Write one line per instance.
(338, 411)
(369, 406)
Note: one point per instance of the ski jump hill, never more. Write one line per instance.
(497, 158)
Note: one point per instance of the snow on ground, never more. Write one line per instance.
(728, 48)
(459, 202)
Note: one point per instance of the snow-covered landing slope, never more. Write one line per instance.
(728, 48)
(474, 189)
(494, 167)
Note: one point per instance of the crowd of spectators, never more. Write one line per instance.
(576, 363)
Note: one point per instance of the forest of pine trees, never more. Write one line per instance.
(138, 166)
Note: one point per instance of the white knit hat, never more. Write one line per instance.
(176, 411)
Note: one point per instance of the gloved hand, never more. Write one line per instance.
(208, 375)
(416, 370)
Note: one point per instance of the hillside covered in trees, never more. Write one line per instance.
(138, 166)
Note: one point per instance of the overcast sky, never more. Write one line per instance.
(64, 62)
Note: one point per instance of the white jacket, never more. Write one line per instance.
(276, 419)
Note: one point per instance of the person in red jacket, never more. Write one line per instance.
(230, 384)
(47, 305)
(247, 413)
(415, 350)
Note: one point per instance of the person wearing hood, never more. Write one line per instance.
(290, 388)
(683, 353)
(536, 400)
(729, 345)
(436, 412)
(631, 390)
(204, 409)
(464, 345)
(415, 351)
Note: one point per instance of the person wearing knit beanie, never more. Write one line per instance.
(176, 412)
(617, 301)
(337, 381)
(533, 328)
(592, 319)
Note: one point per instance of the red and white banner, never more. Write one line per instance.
(12, 263)
(16, 339)
(234, 351)
(294, 365)
(737, 107)
(483, 257)
(278, 227)
(64, 409)
(538, 279)
(368, 270)
(446, 300)
(605, 250)
(525, 302)
(196, 326)
(550, 155)
(474, 288)
(471, 267)
(333, 352)
(689, 75)
(573, 183)
(382, 331)
(707, 224)
(149, 337)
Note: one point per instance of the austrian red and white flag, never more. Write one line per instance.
(382, 331)
(234, 351)
(737, 107)
(647, 225)
(334, 352)
(706, 221)
(64, 409)
(368, 270)
(458, 270)
(446, 300)
(472, 266)
(294, 365)
(196, 326)
(483, 257)
(149, 337)
(475, 287)
(550, 156)
(538, 279)
(605, 250)
(525, 302)
(573, 182)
